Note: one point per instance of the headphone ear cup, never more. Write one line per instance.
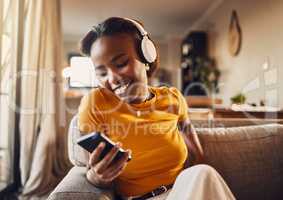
(148, 50)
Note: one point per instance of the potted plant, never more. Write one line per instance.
(239, 98)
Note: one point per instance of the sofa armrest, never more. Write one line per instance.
(76, 186)
(77, 155)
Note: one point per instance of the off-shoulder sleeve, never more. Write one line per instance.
(89, 117)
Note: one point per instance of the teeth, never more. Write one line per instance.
(122, 89)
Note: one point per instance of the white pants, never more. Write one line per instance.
(200, 182)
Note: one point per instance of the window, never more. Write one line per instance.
(81, 74)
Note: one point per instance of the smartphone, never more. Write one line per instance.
(91, 141)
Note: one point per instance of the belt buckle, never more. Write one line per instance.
(162, 188)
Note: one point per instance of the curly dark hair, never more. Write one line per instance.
(113, 26)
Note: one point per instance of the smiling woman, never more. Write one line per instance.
(139, 116)
(116, 58)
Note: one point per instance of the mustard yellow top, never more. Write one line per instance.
(149, 129)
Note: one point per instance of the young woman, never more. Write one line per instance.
(151, 122)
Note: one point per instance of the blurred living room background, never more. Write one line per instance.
(224, 55)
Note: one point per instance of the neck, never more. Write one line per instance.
(147, 95)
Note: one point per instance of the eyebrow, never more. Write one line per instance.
(115, 58)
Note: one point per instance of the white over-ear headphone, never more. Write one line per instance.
(147, 47)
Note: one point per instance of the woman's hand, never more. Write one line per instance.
(101, 173)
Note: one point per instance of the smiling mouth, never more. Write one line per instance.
(121, 90)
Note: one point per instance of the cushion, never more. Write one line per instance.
(250, 158)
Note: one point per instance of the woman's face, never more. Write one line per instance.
(119, 68)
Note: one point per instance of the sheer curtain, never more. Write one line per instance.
(43, 156)
(10, 61)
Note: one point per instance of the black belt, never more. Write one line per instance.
(160, 190)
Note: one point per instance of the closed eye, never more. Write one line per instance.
(100, 72)
(123, 64)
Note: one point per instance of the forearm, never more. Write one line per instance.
(194, 146)
(196, 149)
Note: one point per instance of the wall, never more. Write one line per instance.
(170, 57)
(262, 28)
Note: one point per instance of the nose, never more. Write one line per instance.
(114, 79)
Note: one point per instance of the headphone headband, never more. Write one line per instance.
(139, 26)
(147, 47)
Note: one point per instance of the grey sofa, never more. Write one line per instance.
(250, 159)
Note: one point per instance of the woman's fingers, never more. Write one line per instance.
(94, 156)
(104, 163)
(115, 173)
(111, 175)
(117, 167)
(105, 171)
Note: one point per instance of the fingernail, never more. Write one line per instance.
(102, 144)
